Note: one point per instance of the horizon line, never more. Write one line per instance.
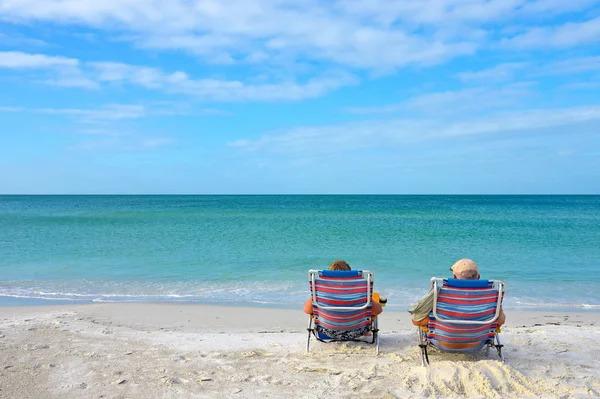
(291, 194)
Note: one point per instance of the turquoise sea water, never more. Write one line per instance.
(255, 250)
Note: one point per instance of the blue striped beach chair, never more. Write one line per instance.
(342, 307)
(464, 317)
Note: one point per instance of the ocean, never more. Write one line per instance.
(256, 250)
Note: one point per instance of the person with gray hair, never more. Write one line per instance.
(463, 269)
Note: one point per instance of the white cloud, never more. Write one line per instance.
(585, 85)
(284, 35)
(20, 60)
(239, 30)
(565, 35)
(504, 72)
(102, 128)
(395, 132)
(453, 102)
(574, 65)
(217, 89)
(497, 73)
(106, 113)
(118, 112)
(72, 78)
(68, 72)
(17, 39)
(127, 142)
(378, 109)
(10, 109)
(554, 7)
(155, 142)
(110, 112)
(469, 99)
(62, 71)
(373, 35)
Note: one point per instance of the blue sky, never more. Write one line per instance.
(277, 96)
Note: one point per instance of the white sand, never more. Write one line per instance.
(169, 350)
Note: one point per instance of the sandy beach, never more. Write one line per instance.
(175, 350)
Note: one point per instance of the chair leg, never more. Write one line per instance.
(423, 346)
(424, 355)
(499, 347)
(309, 333)
(375, 340)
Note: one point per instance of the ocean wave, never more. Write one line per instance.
(546, 304)
(260, 293)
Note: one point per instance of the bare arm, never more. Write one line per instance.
(376, 308)
(308, 308)
(501, 318)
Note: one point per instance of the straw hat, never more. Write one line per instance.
(465, 268)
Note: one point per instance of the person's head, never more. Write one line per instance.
(339, 265)
(465, 269)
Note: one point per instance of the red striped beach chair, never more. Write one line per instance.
(464, 317)
(342, 307)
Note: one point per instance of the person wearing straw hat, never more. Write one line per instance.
(462, 269)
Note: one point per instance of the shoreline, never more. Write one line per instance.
(143, 350)
(24, 303)
(286, 313)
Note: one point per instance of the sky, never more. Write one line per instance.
(278, 96)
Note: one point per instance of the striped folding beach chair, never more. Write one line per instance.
(342, 307)
(464, 317)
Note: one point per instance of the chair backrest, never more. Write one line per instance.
(341, 299)
(464, 313)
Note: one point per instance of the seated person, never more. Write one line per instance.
(463, 269)
(376, 307)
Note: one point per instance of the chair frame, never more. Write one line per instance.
(424, 343)
(373, 328)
